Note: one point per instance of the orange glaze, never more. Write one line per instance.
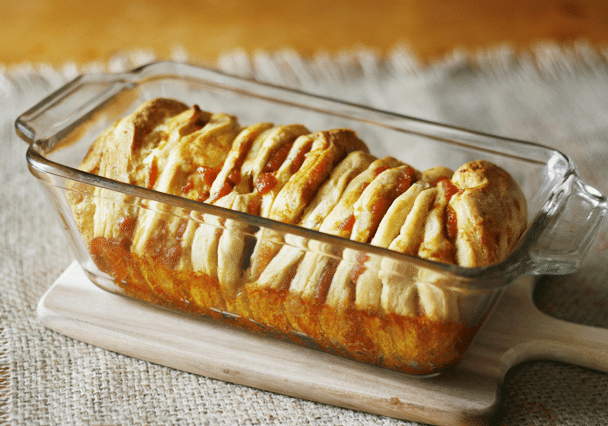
(447, 186)
(254, 206)
(202, 181)
(343, 330)
(111, 256)
(406, 178)
(347, 224)
(141, 277)
(299, 160)
(208, 174)
(412, 345)
(379, 208)
(226, 189)
(379, 170)
(234, 177)
(303, 316)
(189, 186)
(153, 174)
(126, 225)
(277, 158)
(316, 176)
(265, 182)
(266, 307)
(390, 341)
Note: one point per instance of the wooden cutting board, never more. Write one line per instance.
(467, 395)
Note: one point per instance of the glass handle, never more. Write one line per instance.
(579, 211)
(67, 106)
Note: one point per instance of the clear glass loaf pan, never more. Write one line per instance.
(564, 217)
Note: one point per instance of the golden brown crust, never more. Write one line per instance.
(491, 213)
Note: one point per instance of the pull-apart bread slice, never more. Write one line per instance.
(372, 308)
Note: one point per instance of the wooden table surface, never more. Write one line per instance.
(55, 31)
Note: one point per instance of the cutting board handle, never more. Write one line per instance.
(520, 332)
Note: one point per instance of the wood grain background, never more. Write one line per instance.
(55, 31)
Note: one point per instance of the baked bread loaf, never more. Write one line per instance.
(373, 309)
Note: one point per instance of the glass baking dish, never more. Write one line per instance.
(564, 215)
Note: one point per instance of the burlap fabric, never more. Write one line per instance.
(555, 96)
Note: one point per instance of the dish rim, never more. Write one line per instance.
(519, 262)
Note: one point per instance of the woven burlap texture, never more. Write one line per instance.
(555, 96)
